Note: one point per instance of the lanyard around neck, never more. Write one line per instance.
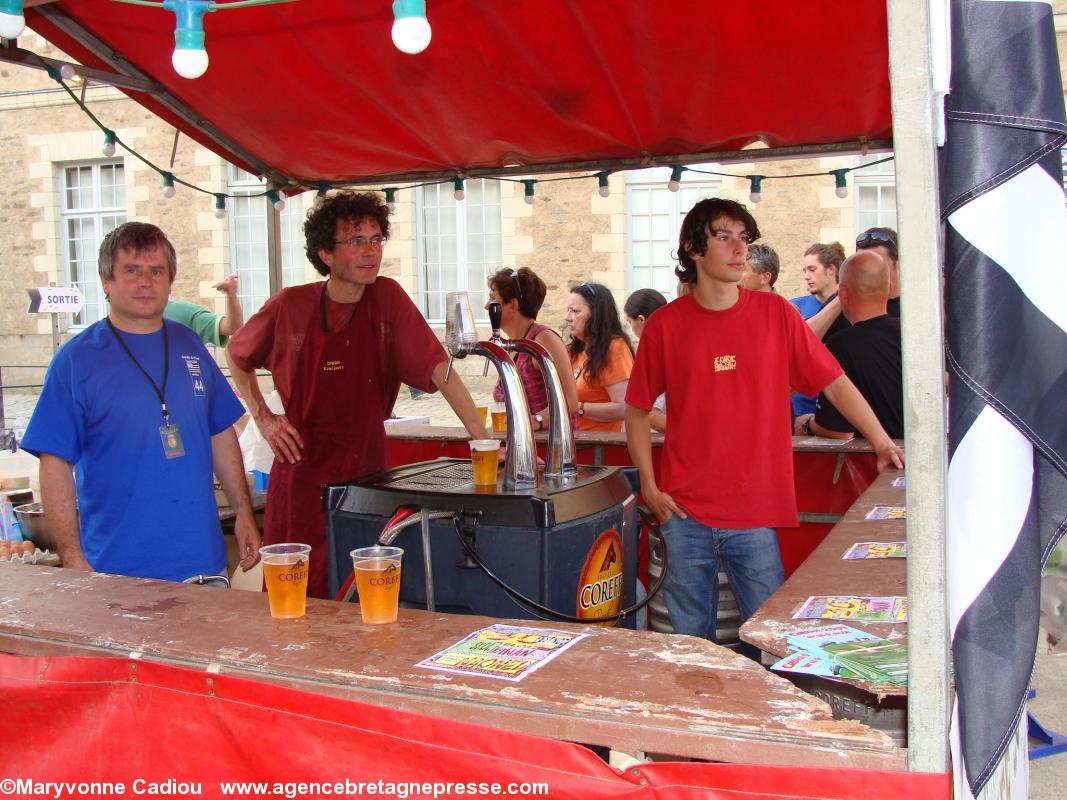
(160, 392)
(322, 304)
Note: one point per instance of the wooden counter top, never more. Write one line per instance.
(825, 573)
(630, 690)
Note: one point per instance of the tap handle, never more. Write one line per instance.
(495, 312)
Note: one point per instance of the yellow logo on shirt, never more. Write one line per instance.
(333, 366)
(725, 363)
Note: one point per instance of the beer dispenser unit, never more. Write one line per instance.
(563, 538)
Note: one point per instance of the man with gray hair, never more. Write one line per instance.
(761, 268)
(133, 419)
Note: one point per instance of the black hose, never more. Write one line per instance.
(549, 614)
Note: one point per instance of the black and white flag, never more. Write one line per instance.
(1002, 201)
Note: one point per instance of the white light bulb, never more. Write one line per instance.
(220, 213)
(755, 197)
(459, 194)
(391, 206)
(67, 73)
(411, 35)
(673, 186)
(108, 149)
(11, 25)
(279, 205)
(841, 191)
(189, 63)
(530, 199)
(168, 192)
(604, 191)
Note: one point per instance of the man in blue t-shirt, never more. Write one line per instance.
(133, 419)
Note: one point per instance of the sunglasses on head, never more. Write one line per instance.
(875, 238)
(514, 275)
(587, 287)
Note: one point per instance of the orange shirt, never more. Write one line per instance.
(616, 368)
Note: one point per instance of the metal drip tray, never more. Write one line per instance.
(445, 484)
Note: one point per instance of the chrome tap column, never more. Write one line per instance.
(461, 340)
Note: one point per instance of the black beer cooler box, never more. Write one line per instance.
(570, 545)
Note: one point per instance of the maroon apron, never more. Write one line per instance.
(336, 404)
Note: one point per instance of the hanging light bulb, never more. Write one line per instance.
(528, 192)
(109, 143)
(602, 184)
(220, 206)
(168, 185)
(676, 178)
(390, 198)
(189, 57)
(457, 186)
(411, 30)
(276, 201)
(840, 183)
(320, 195)
(67, 73)
(755, 194)
(12, 22)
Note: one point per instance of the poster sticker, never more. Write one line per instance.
(507, 652)
(886, 512)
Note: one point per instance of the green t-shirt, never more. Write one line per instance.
(203, 322)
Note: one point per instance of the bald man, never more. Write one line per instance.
(869, 351)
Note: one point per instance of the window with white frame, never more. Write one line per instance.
(876, 192)
(460, 244)
(654, 216)
(249, 247)
(92, 204)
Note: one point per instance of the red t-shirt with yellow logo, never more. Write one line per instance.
(728, 453)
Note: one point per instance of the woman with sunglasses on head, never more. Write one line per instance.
(521, 293)
(601, 355)
(638, 308)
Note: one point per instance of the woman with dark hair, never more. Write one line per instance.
(521, 294)
(638, 308)
(601, 355)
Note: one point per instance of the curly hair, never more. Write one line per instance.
(138, 237)
(603, 327)
(693, 236)
(320, 228)
(523, 285)
(829, 255)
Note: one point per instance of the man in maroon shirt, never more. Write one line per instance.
(338, 351)
(726, 357)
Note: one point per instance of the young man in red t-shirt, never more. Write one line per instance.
(727, 357)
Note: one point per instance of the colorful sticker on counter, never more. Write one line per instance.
(876, 550)
(824, 441)
(507, 652)
(898, 483)
(857, 609)
(600, 581)
(886, 512)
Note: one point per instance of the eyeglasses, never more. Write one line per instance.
(873, 238)
(363, 241)
(588, 287)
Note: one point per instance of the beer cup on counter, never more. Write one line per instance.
(483, 412)
(285, 573)
(485, 457)
(499, 412)
(377, 572)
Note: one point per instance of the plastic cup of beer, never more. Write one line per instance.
(285, 572)
(500, 417)
(485, 456)
(483, 412)
(377, 582)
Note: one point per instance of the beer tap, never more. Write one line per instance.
(560, 460)
(461, 340)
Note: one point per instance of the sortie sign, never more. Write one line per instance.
(55, 300)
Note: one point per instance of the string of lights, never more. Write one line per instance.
(275, 194)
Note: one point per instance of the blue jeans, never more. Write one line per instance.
(749, 557)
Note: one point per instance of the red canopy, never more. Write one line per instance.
(315, 91)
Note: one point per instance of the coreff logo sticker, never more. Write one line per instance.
(600, 581)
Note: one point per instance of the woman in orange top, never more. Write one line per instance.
(601, 355)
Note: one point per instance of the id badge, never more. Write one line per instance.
(172, 441)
